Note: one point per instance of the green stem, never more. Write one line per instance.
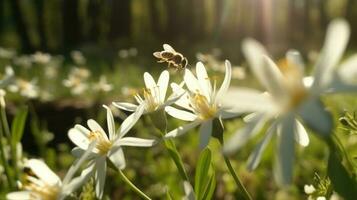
(133, 187)
(4, 160)
(5, 123)
(341, 148)
(175, 156)
(159, 122)
(237, 180)
(13, 147)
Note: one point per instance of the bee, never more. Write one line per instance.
(174, 59)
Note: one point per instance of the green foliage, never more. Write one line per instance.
(205, 180)
(342, 181)
(18, 125)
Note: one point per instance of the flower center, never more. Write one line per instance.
(201, 106)
(293, 82)
(40, 189)
(151, 97)
(103, 144)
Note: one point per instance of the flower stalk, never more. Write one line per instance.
(132, 186)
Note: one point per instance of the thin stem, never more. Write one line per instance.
(5, 123)
(159, 122)
(13, 147)
(343, 151)
(3, 159)
(133, 187)
(237, 180)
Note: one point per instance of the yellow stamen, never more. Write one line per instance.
(103, 144)
(40, 189)
(201, 106)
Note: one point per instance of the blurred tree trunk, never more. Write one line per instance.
(120, 20)
(41, 24)
(21, 26)
(155, 20)
(173, 24)
(94, 21)
(2, 15)
(71, 25)
(199, 19)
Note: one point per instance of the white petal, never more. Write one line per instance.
(75, 166)
(149, 81)
(241, 136)
(163, 82)
(191, 82)
(183, 101)
(275, 85)
(110, 123)
(339, 86)
(100, 175)
(131, 120)
(226, 82)
(182, 129)
(205, 133)
(180, 114)
(189, 192)
(253, 52)
(203, 80)
(255, 157)
(283, 168)
(315, 116)
(294, 59)
(19, 195)
(135, 142)
(41, 170)
(336, 39)
(118, 159)
(348, 70)
(78, 137)
(78, 152)
(224, 114)
(125, 106)
(301, 135)
(248, 100)
(173, 99)
(308, 81)
(77, 182)
(95, 127)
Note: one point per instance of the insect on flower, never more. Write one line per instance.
(174, 59)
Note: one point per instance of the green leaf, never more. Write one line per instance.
(168, 195)
(211, 186)
(341, 180)
(18, 125)
(171, 148)
(202, 169)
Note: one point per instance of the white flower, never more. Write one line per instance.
(107, 146)
(7, 53)
(189, 192)
(102, 85)
(76, 80)
(8, 77)
(201, 104)
(78, 57)
(23, 61)
(41, 58)
(25, 88)
(291, 98)
(309, 189)
(154, 95)
(44, 184)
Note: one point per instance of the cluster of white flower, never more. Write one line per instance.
(290, 102)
